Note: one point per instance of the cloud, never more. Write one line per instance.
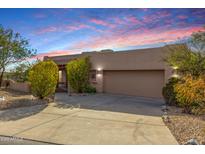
(102, 23)
(133, 20)
(117, 40)
(40, 15)
(150, 18)
(118, 20)
(63, 28)
(53, 53)
(124, 28)
(182, 17)
(47, 30)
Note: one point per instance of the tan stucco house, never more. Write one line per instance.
(140, 72)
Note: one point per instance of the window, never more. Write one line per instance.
(60, 76)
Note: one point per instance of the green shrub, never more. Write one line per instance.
(190, 93)
(43, 77)
(90, 89)
(78, 74)
(168, 91)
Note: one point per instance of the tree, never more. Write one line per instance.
(186, 60)
(197, 41)
(43, 77)
(20, 72)
(78, 74)
(189, 59)
(13, 49)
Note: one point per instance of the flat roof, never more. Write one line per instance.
(106, 52)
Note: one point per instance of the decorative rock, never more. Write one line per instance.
(2, 98)
(164, 108)
(192, 142)
(165, 117)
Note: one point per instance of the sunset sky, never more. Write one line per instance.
(69, 31)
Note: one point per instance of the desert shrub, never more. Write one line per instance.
(43, 77)
(90, 89)
(168, 91)
(78, 74)
(190, 94)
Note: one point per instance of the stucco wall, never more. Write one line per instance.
(151, 59)
(143, 59)
(19, 86)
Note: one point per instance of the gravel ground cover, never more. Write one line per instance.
(185, 126)
(14, 99)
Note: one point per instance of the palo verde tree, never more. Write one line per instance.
(13, 48)
(43, 78)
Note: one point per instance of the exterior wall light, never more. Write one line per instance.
(99, 71)
(175, 75)
(175, 72)
(175, 67)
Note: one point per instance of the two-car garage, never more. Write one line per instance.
(145, 83)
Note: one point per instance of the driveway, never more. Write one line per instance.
(93, 119)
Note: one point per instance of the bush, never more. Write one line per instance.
(168, 91)
(90, 89)
(43, 77)
(190, 93)
(78, 74)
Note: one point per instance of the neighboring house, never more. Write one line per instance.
(140, 72)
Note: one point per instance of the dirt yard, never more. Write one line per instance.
(185, 127)
(14, 99)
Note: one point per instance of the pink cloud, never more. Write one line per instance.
(155, 17)
(133, 20)
(102, 23)
(116, 40)
(144, 9)
(47, 30)
(53, 53)
(40, 15)
(63, 28)
(118, 20)
(182, 17)
(76, 27)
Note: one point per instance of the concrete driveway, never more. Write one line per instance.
(94, 119)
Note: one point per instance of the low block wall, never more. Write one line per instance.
(19, 86)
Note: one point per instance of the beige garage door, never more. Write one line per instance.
(138, 83)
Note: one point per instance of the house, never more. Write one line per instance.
(140, 72)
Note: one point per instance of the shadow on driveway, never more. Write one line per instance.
(21, 112)
(113, 103)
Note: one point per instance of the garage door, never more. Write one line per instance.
(138, 83)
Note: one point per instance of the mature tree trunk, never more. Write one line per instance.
(1, 76)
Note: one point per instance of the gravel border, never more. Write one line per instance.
(14, 99)
(185, 127)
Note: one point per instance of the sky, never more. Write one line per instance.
(69, 31)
